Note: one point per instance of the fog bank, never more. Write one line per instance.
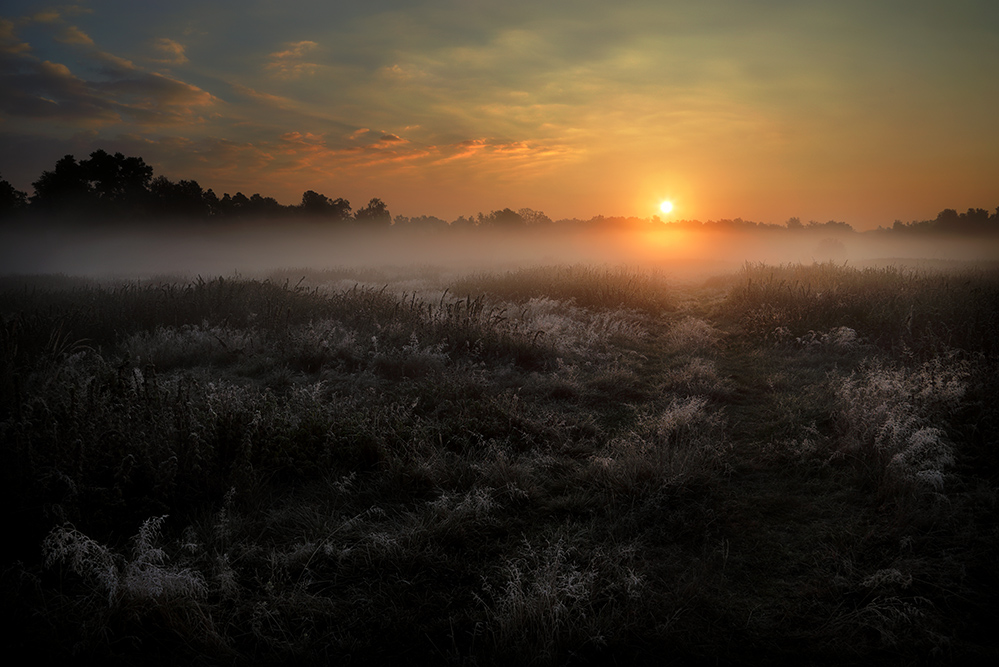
(256, 249)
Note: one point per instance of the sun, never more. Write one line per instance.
(666, 206)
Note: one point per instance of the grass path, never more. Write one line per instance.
(790, 532)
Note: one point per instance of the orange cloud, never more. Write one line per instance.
(73, 35)
(488, 151)
(50, 90)
(9, 43)
(114, 63)
(170, 52)
(276, 101)
(46, 16)
(291, 63)
(294, 161)
(402, 74)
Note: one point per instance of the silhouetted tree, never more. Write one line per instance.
(534, 218)
(182, 199)
(314, 203)
(233, 206)
(319, 205)
(830, 226)
(947, 217)
(225, 208)
(12, 200)
(506, 219)
(62, 189)
(118, 184)
(462, 223)
(340, 209)
(374, 215)
(103, 184)
(264, 207)
(974, 221)
(212, 203)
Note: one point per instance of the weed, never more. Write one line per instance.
(887, 415)
(144, 576)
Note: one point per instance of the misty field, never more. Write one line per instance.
(559, 464)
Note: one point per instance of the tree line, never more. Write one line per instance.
(114, 187)
(108, 188)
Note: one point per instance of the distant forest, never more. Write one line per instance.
(113, 189)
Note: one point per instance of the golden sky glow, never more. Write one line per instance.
(856, 111)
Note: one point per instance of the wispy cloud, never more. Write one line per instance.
(9, 43)
(291, 62)
(169, 52)
(275, 101)
(123, 92)
(73, 35)
(45, 16)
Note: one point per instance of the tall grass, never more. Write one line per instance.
(911, 311)
(583, 285)
(894, 417)
(558, 597)
(543, 466)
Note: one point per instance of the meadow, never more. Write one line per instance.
(569, 464)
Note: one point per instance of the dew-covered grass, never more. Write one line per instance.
(544, 466)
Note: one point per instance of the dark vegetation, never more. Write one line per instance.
(553, 465)
(107, 189)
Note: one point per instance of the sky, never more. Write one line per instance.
(859, 111)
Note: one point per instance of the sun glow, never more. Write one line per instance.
(666, 206)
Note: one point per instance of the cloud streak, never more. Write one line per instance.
(169, 52)
(73, 35)
(291, 63)
(121, 92)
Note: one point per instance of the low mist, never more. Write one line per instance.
(256, 249)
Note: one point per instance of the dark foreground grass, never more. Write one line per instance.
(547, 467)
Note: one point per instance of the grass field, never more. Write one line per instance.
(554, 465)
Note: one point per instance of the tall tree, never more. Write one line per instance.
(119, 184)
(534, 218)
(315, 204)
(264, 207)
(374, 215)
(181, 199)
(64, 188)
(12, 200)
(507, 219)
(340, 209)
